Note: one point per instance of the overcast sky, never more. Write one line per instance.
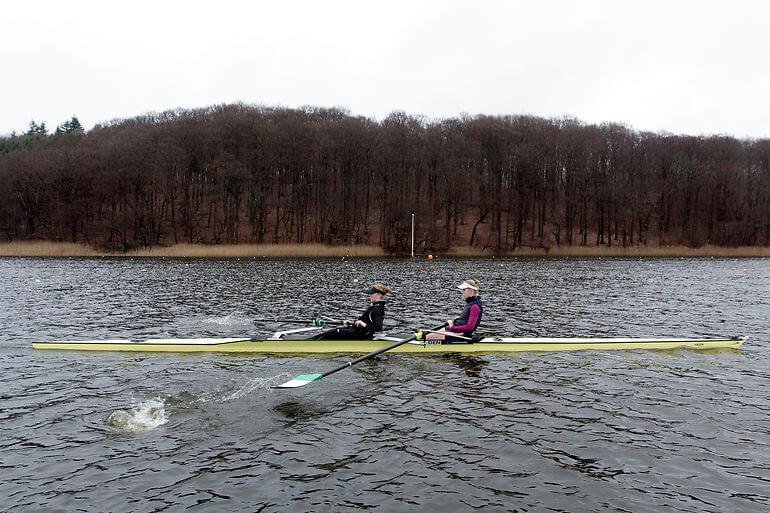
(695, 67)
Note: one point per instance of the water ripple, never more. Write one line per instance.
(597, 431)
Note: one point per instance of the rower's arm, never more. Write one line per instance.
(473, 321)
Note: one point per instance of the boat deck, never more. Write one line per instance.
(486, 345)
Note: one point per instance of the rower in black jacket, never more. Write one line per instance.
(369, 323)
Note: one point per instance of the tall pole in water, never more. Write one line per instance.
(412, 234)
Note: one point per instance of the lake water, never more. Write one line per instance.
(640, 431)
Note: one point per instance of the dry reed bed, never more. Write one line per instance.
(259, 250)
(64, 249)
(46, 249)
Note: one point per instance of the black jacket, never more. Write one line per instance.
(373, 318)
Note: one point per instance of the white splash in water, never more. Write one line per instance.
(219, 321)
(235, 319)
(144, 416)
(252, 385)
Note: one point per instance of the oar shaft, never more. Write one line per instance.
(318, 321)
(453, 335)
(375, 353)
(301, 321)
(304, 379)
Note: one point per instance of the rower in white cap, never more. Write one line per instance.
(468, 320)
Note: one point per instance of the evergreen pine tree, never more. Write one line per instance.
(70, 127)
(33, 128)
(75, 126)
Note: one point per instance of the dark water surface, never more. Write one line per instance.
(638, 431)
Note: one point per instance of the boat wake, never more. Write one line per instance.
(143, 416)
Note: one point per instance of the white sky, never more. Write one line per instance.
(696, 67)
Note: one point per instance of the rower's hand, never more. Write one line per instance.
(346, 323)
(360, 324)
(450, 323)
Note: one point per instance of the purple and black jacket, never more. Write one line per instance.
(470, 318)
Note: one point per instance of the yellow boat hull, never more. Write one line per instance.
(487, 345)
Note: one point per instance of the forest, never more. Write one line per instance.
(239, 173)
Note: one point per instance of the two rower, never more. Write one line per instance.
(369, 323)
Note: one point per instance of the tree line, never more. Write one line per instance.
(253, 174)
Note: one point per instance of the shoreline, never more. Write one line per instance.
(310, 251)
(621, 252)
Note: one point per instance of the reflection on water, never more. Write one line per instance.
(591, 431)
(294, 410)
(472, 365)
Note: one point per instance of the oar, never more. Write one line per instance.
(304, 379)
(318, 321)
(453, 335)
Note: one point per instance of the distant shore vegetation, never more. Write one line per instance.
(234, 178)
(258, 251)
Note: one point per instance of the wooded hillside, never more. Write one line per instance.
(242, 173)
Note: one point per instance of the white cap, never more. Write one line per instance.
(466, 285)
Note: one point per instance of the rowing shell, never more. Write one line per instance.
(486, 345)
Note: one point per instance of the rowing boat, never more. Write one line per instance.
(485, 345)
